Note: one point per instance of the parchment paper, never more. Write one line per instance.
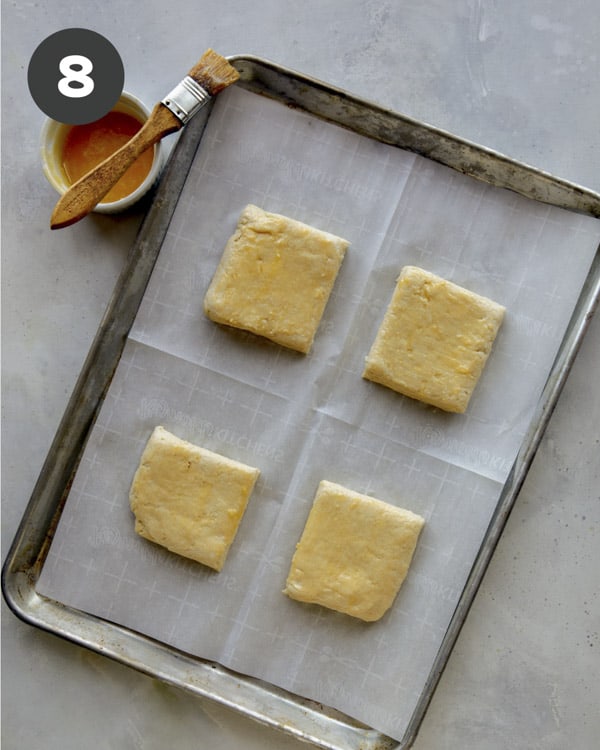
(301, 418)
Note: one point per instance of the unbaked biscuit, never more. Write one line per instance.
(274, 278)
(188, 499)
(434, 340)
(354, 553)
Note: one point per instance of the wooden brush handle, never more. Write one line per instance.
(89, 190)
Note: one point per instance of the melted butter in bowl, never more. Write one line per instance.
(70, 151)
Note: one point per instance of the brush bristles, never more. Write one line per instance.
(213, 72)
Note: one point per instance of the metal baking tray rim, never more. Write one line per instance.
(267, 704)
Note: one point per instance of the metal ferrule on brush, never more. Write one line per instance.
(186, 99)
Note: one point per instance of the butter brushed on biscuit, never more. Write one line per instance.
(188, 499)
(354, 553)
(274, 278)
(434, 340)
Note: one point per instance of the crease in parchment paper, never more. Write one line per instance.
(300, 419)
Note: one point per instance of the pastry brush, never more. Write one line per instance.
(209, 76)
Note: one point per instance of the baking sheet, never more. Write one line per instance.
(301, 419)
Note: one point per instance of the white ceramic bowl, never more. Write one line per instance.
(52, 143)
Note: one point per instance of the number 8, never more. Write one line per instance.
(79, 76)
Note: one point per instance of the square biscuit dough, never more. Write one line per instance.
(434, 340)
(274, 278)
(354, 553)
(188, 499)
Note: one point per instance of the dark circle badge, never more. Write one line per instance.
(75, 76)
